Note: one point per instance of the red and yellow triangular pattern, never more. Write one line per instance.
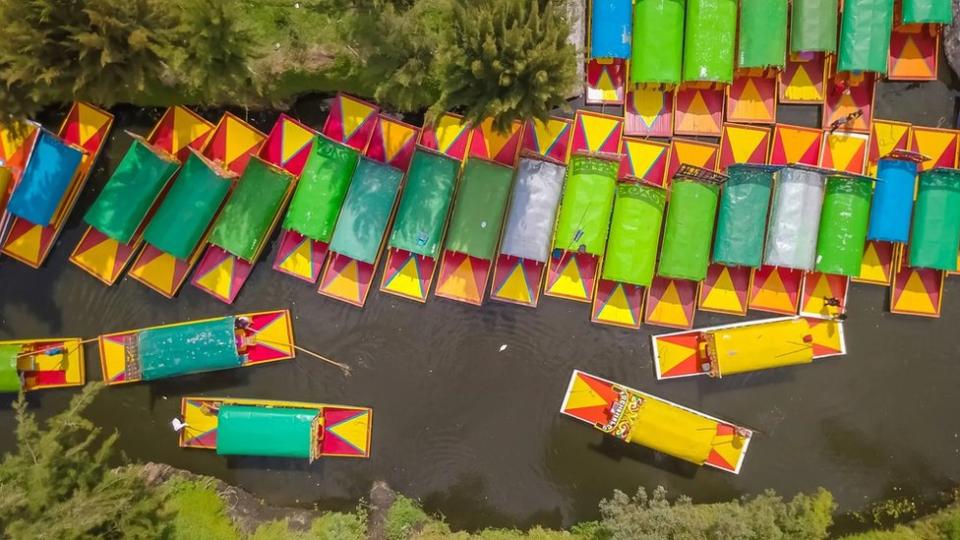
(617, 304)
(802, 79)
(699, 111)
(393, 142)
(596, 133)
(649, 112)
(856, 97)
(300, 256)
(876, 267)
(233, 143)
(408, 275)
(350, 121)
(288, 145)
(795, 144)
(940, 145)
(725, 290)
(346, 279)
(606, 82)
(671, 303)
(488, 143)
(776, 290)
(914, 53)
(550, 139)
(462, 278)
(845, 151)
(916, 291)
(690, 152)
(743, 144)
(885, 137)
(752, 99)
(645, 160)
(571, 276)
(517, 281)
(450, 136)
(817, 288)
(179, 130)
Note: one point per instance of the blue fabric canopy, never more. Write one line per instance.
(45, 180)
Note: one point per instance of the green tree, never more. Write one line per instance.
(59, 483)
(765, 517)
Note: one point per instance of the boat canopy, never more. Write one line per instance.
(763, 34)
(9, 375)
(709, 40)
(131, 191)
(742, 218)
(425, 203)
(927, 11)
(688, 231)
(657, 42)
(242, 227)
(634, 234)
(189, 207)
(322, 187)
(48, 174)
(366, 210)
(267, 431)
(935, 236)
(587, 205)
(478, 213)
(753, 347)
(610, 30)
(183, 349)
(673, 430)
(533, 209)
(843, 225)
(813, 26)
(865, 36)
(795, 218)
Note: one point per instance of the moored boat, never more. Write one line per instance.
(265, 428)
(39, 364)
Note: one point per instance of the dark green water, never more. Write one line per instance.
(474, 431)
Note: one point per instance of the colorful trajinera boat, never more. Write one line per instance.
(640, 418)
(39, 364)
(200, 346)
(284, 429)
(744, 347)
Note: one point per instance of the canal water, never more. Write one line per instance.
(466, 399)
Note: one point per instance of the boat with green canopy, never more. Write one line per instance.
(276, 429)
(358, 236)
(474, 232)
(691, 215)
(242, 229)
(417, 236)
(40, 364)
(314, 208)
(174, 350)
(580, 236)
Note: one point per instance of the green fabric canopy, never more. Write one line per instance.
(709, 40)
(478, 212)
(245, 220)
(927, 11)
(586, 205)
(763, 34)
(188, 209)
(425, 203)
(865, 35)
(935, 236)
(9, 376)
(843, 225)
(366, 211)
(813, 26)
(193, 347)
(689, 229)
(245, 430)
(322, 187)
(634, 234)
(657, 42)
(130, 192)
(742, 218)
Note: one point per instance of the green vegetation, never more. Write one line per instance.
(61, 482)
(500, 59)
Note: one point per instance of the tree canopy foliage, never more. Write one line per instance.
(500, 59)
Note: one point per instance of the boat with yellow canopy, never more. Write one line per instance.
(639, 418)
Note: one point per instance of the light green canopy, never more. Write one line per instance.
(366, 211)
(183, 349)
(9, 376)
(478, 212)
(688, 231)
(321, 189)
(245, 221)
(132, 189)
(865, 36)
(634, 234)
(586, 205)
(843, 225)
(188, 209)
(265, 431)
(709, 40)
(425, 203)
(763, 34)
(657, 41)
(813, 26)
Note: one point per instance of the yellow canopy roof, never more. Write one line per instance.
(760, 346)
(673, 430)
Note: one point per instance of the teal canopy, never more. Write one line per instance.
(321, 189)
(425, 203)
(131, 191)
(9, 376)
(245, 221)
(478, 214)
(189, 207)
(366, 211)
(266, 431)
(183, 349)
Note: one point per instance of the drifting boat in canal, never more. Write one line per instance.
(39, 364)
(640, 418)
(284, 429)
(173, 350)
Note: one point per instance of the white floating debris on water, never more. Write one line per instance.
(503, 347)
